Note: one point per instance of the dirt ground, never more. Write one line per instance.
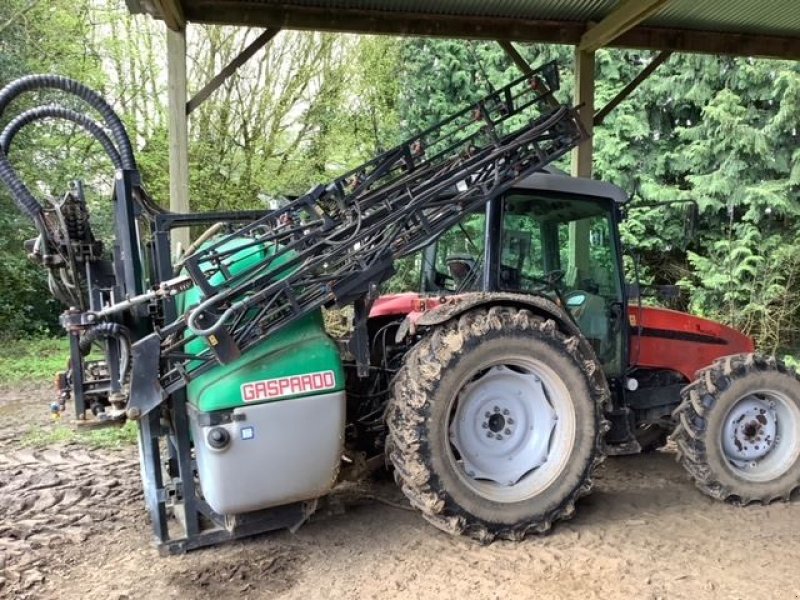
(73, 526)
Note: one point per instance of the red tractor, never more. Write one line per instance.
(522, 362)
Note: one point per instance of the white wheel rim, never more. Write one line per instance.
(761, 436)
(512, 430)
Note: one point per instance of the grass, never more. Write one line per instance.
(39, 359)
(791, 361)
(113, 436)
(34, 359)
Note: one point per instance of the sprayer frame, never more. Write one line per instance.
(165, 452)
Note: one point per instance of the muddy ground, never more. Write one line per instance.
(73, 526)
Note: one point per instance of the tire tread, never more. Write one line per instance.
(409, 408)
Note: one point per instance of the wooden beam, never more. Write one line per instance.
(625, 16)
(230, 69)
(648, 70)
(262, 14)
(178, 131)
(171, 12)
(710, 42)
(578, 238)
(515, 56)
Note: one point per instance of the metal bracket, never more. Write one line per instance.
(146, 391)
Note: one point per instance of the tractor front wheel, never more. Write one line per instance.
(738, 431)
(496, 423)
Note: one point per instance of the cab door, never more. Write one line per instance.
(567, 247)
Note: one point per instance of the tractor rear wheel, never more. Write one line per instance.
(738, 431)
(496, 423)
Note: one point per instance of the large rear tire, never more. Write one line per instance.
(738, 432)
(496, 424)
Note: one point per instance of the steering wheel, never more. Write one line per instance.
(550, 280)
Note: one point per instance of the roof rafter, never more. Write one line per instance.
(625, 16)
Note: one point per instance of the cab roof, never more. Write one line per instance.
(555, 180)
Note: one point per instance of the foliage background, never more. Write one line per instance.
(720, 131)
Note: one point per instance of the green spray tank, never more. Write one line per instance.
(268, 427)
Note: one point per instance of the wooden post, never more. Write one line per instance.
(578, 251)
(178, 131)
(584, 99)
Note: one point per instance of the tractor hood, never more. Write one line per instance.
(667, 339)
(659, 338)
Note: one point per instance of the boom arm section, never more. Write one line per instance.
(336, 244)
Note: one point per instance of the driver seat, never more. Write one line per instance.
(464, 270)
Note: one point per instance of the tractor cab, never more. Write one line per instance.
(554, 235)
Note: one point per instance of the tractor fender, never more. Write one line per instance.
(455, 306)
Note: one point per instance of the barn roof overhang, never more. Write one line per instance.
(768, 28)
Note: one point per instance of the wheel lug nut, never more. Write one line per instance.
(497, 409)
(488, 434)
(506, 412)
(510, 421)
(507, 432)
(485, 425)
(499, 437)
(487, 414)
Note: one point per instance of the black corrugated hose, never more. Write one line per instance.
(20, 193)
(106, 331)
(59, 112)
(102, 331)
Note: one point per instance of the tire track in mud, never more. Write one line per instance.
(53, 499)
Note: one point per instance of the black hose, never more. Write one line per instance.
(102, 331)
(110, 331)
(22, 196)
(59, 112)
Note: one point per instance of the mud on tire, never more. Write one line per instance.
(426, 390)
(708, 418)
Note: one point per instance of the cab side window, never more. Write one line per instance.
(456, 261)
(522, 259)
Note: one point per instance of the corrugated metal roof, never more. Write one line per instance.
(768, 27)
(768, 17)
